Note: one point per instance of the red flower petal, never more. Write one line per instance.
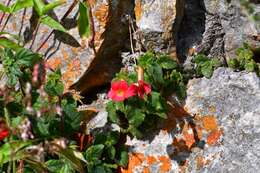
(3, 134)
(118, 91)
(132, 90)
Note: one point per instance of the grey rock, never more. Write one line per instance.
(216, 28)
(233, 99)
(157, 22)
(236, 99)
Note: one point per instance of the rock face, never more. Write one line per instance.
(157, 22)
(217, 132)
(216, 28)
(234, 99)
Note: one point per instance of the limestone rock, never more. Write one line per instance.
(217, 28)
(217, 131)
(157, 22)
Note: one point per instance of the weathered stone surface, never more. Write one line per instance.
(234, 99)
(217, 132)
(157, 21)
(216, 28)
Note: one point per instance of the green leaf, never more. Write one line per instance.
(123, 159)
(83, 21)
(233, 63)
(112, 112)
(134, 131)
(6, 43)
(4, 8)
(20, 4)
(250, 66)
(54, 165)
(135, 117)
(39, 6)
(69, 155)
(94, 153)
(111, 152)
(166, 62)
(52, 23)
(13, 151)
(200, 58)
(207, 69)
(146, 59)
(52, 5)
(157, 74)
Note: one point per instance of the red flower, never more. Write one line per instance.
(120, 91)
(3, 134)
(140, 88)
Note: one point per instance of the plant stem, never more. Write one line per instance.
(35, 33)
(64, 16)
(20, 31)
(9, 16)
(2, 17)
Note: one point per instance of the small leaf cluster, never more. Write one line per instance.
(205, 66)
(106, 153)
(245, 60)
(15, 63)
(36, 115)
(136, 116)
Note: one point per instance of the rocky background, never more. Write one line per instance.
(217, 129)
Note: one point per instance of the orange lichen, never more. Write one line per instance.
(146, 170)
(101, 14)
(54, 63)
(151, 160)
(135, 159)
(64, 54)
(189, 139)
(165, 164)
(214, 136)
(138, 10)
(209, 123)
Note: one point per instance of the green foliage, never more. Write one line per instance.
(83, 20)
(15, 63)
(135, 115)
(104, 155)
(205, 66)
(245, 60)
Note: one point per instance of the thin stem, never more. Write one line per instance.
(20, 31)
(35, 33)
(9, 16)
(64, 16)
(2, 17)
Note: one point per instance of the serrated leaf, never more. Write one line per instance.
(135, 117)
(94, 153)
(207, 69)
(167, 63)
(52, 23)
